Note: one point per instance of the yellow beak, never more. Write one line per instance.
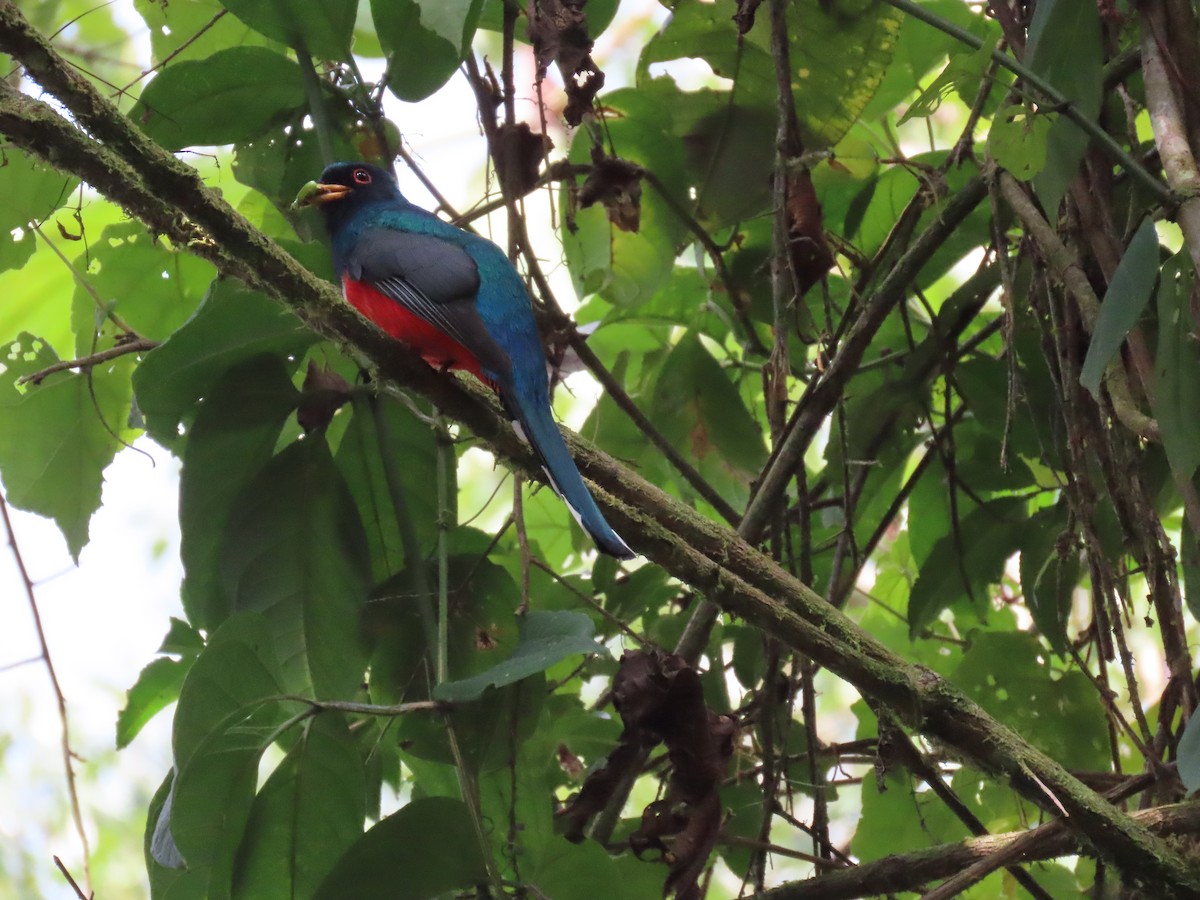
(315, 193)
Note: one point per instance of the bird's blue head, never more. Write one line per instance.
(345, 189)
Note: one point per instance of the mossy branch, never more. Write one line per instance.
(168, 196)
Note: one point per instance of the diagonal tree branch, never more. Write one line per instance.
(911, 871)
(169, 196)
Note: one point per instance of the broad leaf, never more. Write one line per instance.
(152, 286)
(422, 851)
(1177, 368)
(307, 814)
(156, 688)
(295, 551)
(232, 96)
(57, 437)
(324, 28)
(544, 639)
(32, 191)
(226, 719)
(231, 325)
(966, 560)
(430, 36)
(231, 440)
(389, 456)
(1074, 67)
(1188, 754)
(1127, 295)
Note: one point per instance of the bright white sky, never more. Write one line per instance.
(105, 619)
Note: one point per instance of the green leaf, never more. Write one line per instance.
(1189, 561)
(56, 438)
(325, 27)
(232, 325)
(224, 722)
(544, 639)
(408, 447)
(1009, 674)
(424, 850)
(1126, 298)
(153, 287)
(1177, 368)
(482, 628)
(964, 563)
(156, 687)
(32, 191)
(839, 53)
(430, 36)
(628, 267)
(920, 48)
(236, 670)
(182, 639)
(574, 871)
(1017, 141)
(307, 814)
(1075, 68)
(232, 96)
(1049, 574)
(1188, 754)
(191, 29)
(896, 818)
(698, 409)
(962, 75)
(232, 439)
(295, 551)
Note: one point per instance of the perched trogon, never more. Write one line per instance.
(456, 299)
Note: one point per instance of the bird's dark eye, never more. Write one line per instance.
(362, 176)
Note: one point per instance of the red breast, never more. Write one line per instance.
(436, 347)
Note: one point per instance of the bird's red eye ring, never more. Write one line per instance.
(362, 176)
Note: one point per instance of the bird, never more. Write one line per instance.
(456, 299)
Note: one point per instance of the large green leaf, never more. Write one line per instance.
(1049, 573)
(839, 53)
(56, 438)
(32, 191)
(628, 267)
(423, 851)
(966, 561)
(324, 27)
(1177, 368)
(233, 324)
(545, 638)
(1009, 674)
(387, 450)
(1189, 754)
(1127, 295)
(699, 409)
(232, 96)
(153, 287)
(156, 687)
(295, 551)
(232, 439)
(1075, 68)
(426, 38)
(226, 718)
(192, 29)
(307, 814)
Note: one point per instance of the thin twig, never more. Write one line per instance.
(67, 754)
(137, 345)
(71, 881)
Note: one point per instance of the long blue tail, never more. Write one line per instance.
(547, 441)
